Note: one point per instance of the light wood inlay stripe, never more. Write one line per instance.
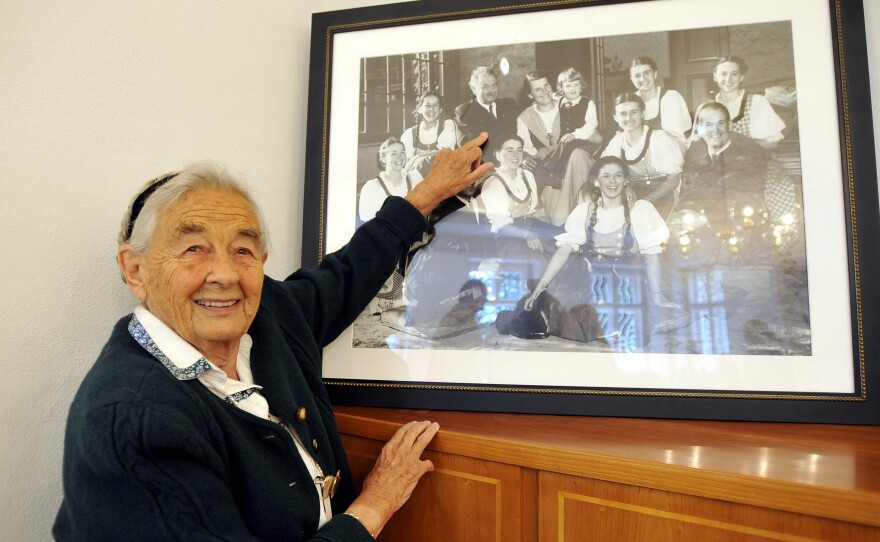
(563, 495)
(486, 480)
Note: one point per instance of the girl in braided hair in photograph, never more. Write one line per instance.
(611, 245)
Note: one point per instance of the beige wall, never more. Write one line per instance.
(96, 97)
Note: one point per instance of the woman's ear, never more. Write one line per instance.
(132, 266)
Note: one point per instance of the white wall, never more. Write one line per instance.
(95, 98)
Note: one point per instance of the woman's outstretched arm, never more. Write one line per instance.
(556, 263)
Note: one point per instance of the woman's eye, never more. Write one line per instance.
(194, 248)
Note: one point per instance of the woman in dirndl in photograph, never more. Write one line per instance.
(751, 114)
(431, 133)
(654, 158)
(389, 182)
(518, 227)
(603, 281)
(665, 108)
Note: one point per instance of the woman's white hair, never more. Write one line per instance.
(197, 176)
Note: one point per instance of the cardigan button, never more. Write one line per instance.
(301, 414)
(315, 444)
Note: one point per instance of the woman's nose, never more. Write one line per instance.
(223, 270)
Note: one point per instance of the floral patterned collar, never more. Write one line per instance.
(187, 362)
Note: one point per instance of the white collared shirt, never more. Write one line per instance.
(714, 155)
(187, 363)
(490, 107)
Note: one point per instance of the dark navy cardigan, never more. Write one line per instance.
(151, 457)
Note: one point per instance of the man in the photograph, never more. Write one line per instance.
(728, 172)
(738, 233)
(560, 168)
(486, 112)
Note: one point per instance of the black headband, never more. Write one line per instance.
(139, 201)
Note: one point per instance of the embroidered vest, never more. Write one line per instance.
(572, 117)
(741, 124)
(422, 147)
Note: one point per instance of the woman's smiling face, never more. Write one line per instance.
(611, 180)
(643, 77)
(728, 76)
(394, 157)
(510, 154)
(541, 91)
(430, 108)
(629, 116)
(203, 272)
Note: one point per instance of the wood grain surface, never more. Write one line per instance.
(828, 471)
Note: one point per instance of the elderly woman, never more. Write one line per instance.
(205, 416)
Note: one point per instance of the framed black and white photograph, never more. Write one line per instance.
(680, 219)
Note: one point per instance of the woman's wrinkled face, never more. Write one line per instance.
(629, 116)
(643, 77)
(203, 272)
(430, 108)
(394, 157)
(510, 154)
(611, 180)
(728, 77)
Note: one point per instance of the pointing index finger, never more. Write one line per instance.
(477, 141)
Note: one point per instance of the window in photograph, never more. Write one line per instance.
(390, 87)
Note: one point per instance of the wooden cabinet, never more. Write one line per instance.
(508, 477)
(571, 507)
(466, 498)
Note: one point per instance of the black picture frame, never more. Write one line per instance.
(859, 190)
